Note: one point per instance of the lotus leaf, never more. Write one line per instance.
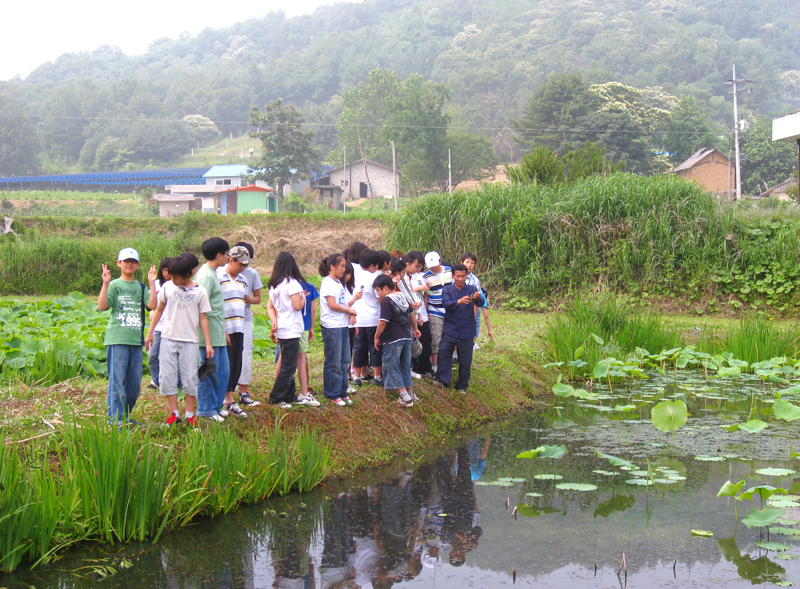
(775, 472)
(764, 491)
(707, 458)
(668, 416)
(787, 557)
(640, 482)
(605, 473)
(548, 477)
(702, 533)
(773, 547)
(534, 495)
(615, 460)
(576, 487)
(784, 531)
(729, 489)
(762, 517)
(753, 426)
(511, 479)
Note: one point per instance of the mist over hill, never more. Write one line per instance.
(490, 54)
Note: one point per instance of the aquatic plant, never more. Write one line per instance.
(730, 489)
(669, 416)
(550, 452)
(784, 410)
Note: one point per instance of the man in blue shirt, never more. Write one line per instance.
(460, 301)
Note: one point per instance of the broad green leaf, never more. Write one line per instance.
(534, 495)
(784, 531)
(548, 477)
(530, 453)
(785, 410)
(774, 547)
(753, 426)
(764, 491)
(554, 452)
(762, 517)
(601, 370)
(624, 408)
(775, 472)
(576, 487)
(668, 416)
(707, 458)
(512, 479)
(729, 489)
(615, 460)
(702, 533)
(598, 340)
(563, 390)
(579, 351)
(640, 482)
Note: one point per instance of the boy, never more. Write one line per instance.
(253, 297)
(436, 278)
(470, 260)
(211, 390)
(234, 289)
(127, 299)
(367, 316)
(415, 261)
(183, 304)
(393, 334)
(460, 302)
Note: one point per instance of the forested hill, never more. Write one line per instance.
(491, 54)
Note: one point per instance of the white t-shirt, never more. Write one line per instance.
(290, 322)
(419, 280)
(253, 283)
(328, 318)
(368, 306)
(158, 289)
(181, 316)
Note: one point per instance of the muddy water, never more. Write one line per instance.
(442, 521)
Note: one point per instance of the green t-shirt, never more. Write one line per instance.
(125, 302)
(207, 278)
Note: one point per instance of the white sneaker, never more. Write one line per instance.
(475, 346)
(351, 390)
(217, 418)
(307, 399)
(286, 405)
(415, 375)
(224, 412)
(236, 410)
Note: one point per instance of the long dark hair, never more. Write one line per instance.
(350, 285)
(285, 267)
(163, 266)
(353, 253)
(327, 263)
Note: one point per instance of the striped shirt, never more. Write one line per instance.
(473, 280)
(436, 282)
(233, 291)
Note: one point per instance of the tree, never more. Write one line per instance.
(18, 142)
(472, 157)
(200, 128)
(288, 152)
(553, 108)
(686, 131)
(765, 162)
(544, 166)
(157, 141)
(111, 154)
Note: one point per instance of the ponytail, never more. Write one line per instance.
(327, 263)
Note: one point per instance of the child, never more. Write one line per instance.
(211, 390)
(460, 302)
(393, 334)
(414, 263)
(127, 299)
(183, 304)
(152, 353)
(234, 289)
(286, 301)
(334, 318)
(309, 319)
(367, 316)
(436, 278)
(252, 297)
(469, 260)
(349, 283)
(402, 282)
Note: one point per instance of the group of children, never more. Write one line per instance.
(378, 311)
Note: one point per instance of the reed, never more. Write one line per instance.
(100, 483)
(756, 338)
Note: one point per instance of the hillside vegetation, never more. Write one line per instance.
(102, 109)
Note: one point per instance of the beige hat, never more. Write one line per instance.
(240, 254)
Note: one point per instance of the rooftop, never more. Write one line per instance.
(227, 171)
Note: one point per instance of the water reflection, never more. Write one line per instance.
(447, 523)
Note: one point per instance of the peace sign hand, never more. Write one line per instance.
(106, 275)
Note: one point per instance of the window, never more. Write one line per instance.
(218, 182)
(227, 182)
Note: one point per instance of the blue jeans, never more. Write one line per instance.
(336, 342)
(124, 380)
(211, 390)
(397, 365)
(152, 357)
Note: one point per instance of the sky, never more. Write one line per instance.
(52, 28)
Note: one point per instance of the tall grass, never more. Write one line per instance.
(620, 329)
(756, 338)
(117, 486)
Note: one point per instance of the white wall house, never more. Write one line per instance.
(224, 177)
(352, 179)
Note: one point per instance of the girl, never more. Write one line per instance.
(152, 353)
(350, 286)
(286, 302)
(335, 316)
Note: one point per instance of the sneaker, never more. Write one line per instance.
(246, 400)
(347, 400)
(351, 390)
(153, 386)
(236, 410)
(223, 412)
(307, 400)
(434, 368)
(356, 383)
(416, 399)
(192, 421)
(415, 375)
(475, 346)
(288, 405)
(378, 382)
(339, 402)
(402, 403)
(462, 391)
(215, 418)
(132, 422)
(172, 420)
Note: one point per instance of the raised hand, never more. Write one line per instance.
(106, 274)
(152, 274)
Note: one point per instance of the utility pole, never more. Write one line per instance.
(344, 175)
(394, 176)
(449, 172)
(736, 127)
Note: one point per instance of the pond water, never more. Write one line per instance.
(443, 521)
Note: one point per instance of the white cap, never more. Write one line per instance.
(128, 254)
(432, 259)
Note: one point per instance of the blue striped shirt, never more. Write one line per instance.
(233, 291)
(436, 282)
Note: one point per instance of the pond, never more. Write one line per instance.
(474, 515)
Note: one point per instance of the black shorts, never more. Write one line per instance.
(364, 352)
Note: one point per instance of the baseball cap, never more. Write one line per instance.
(240, 254)
(432, 259)
(128, 253)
